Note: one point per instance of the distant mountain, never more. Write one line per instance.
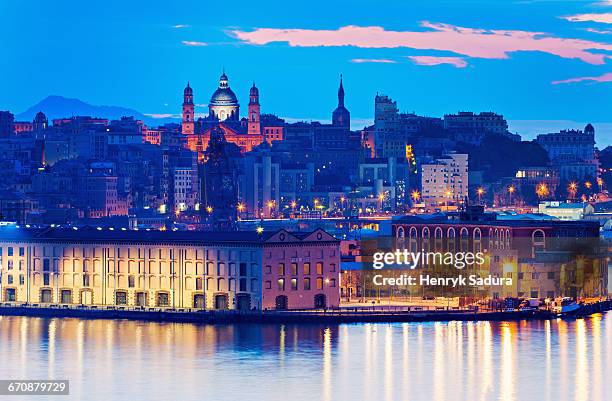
(61, 107)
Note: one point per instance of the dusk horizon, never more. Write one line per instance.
(473, 56)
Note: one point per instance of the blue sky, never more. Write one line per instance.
(432, 56)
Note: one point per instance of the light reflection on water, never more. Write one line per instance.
(128, 360)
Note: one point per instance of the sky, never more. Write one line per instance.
(545, 65)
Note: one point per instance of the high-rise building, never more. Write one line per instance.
(445, 179)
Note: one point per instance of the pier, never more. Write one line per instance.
(311, 316)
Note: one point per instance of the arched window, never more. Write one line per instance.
(538, 240)
(508, 238)
(413, 232)
(400, 233)
(451, 239)
(477, 235)
(464, 236)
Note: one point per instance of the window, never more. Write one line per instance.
(85, 280)
(294, 269)
(243, 269)
(21, 279)
(46, 279)
(520, 275)
(319, 268)
(21, 251)
(131, 282)
(307, 284)
(332, 282)
(243, 284)
(551, 275)
(46, 265)
(294, 284)
(332, 267)
(10, 251)
(306, 268)
(319, 283)
(281, 269)
(9, 279)
(120, 298)
(268, 285)
(281, 284)
(163, 299)
(268, 269)
(199, 283)
(10, 265)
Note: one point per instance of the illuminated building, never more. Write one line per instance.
(166, 269)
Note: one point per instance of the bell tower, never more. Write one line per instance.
(187, 127)
(254, 111)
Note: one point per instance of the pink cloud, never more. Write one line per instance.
(602, 78)
(470, 42)
(600, 31)
(434, 60)
(193, 43)
(605, 18)
(373, 60)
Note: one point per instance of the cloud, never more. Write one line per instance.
(162, 115)
(193, 43)
(600, 31)
(604, 18)
(181, 26)
(470, 42)
(373, 60)
(458, 62)
(607, 77)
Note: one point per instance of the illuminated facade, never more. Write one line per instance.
(157, 269)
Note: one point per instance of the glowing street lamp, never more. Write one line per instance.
(511, 190)
(209, 209)
(588, 185)
(270, 205)
(415, 195)
(259, 230)
(480, 191)
(572, 188)
(600, 183)
(542, 190)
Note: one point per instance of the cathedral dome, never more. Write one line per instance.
(224, 103)
(224, 96)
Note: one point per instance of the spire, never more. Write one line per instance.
(341, 94)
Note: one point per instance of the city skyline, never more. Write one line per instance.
(565, 63)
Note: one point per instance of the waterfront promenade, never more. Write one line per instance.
(338, 315)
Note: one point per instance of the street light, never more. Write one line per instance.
(209, 209)
(511, 190)
(572, 189)
(447, 196)
(415, 195)
(542, 190)
(270, 205)
(480, 191)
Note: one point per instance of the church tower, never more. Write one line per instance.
(188, 111)
(341, 116)
(254, 111)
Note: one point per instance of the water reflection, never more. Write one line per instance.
(551, 360)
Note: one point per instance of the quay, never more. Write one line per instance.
(312, 316)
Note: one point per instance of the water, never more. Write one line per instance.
(129, 360)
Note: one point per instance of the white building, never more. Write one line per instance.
(445, 179)
(566, 210)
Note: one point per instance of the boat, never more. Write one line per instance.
(567, 307)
